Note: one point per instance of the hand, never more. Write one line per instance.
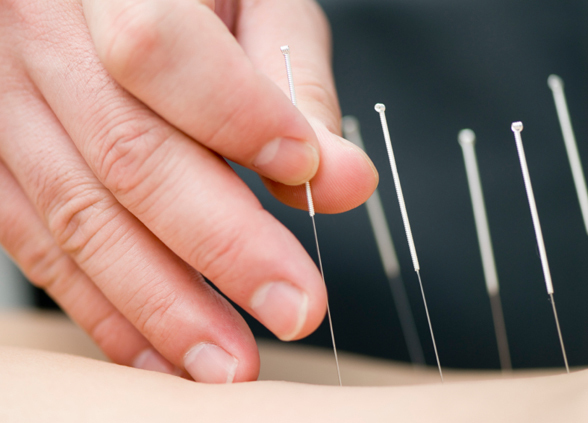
(115, 116)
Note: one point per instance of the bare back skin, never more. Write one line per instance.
(51, 385)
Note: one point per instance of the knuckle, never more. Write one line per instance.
(40, 265)
(123, 153)
(77, 216)
(47, 267)
(29, 243)
(129, 38)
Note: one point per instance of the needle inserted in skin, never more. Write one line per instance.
(388, 256)
(381, 109)
(467, 140)
(286, 53)
(517, 127)
(557, 87)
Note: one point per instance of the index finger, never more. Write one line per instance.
(346, 176)
(180, 59)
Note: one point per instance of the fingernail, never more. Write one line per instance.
(210, 363)
(281, 307)
(150, 359)
(291, 162)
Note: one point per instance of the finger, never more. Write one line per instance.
(181, 60)
(341, 183)
(170, 304)
(346, 176)
(186, 195)
(30, 244)
(265, 25)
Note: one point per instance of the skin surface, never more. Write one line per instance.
(115, 121)
(42, 386)
(39, 385)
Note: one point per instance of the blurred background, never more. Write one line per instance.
(441, 66)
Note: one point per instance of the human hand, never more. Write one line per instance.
(114, 189)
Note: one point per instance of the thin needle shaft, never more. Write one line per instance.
(388, 256)
(517, 127)
(328, 307)
(561, 343)
(557, 87)
(286, 52)
(430, 325)
(381, 109)
(467, 140)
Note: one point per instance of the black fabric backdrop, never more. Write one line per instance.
(440, 66)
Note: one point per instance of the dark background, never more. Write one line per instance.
(441, 66)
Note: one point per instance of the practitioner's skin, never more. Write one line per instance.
(114, 115)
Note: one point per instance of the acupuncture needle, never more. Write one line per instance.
(516, 128)
(467, 140)
(557, 87)
(381, 230)
(286, 52)
(381, 109)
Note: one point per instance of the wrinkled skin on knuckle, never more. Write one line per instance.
(76, 218)
(43, 265)
(40, 259)
(122, 150)
(48, 268)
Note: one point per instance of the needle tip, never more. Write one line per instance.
(517, 126)
(466, 137)
(285, 49)
(554, 82)
(380, 108)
